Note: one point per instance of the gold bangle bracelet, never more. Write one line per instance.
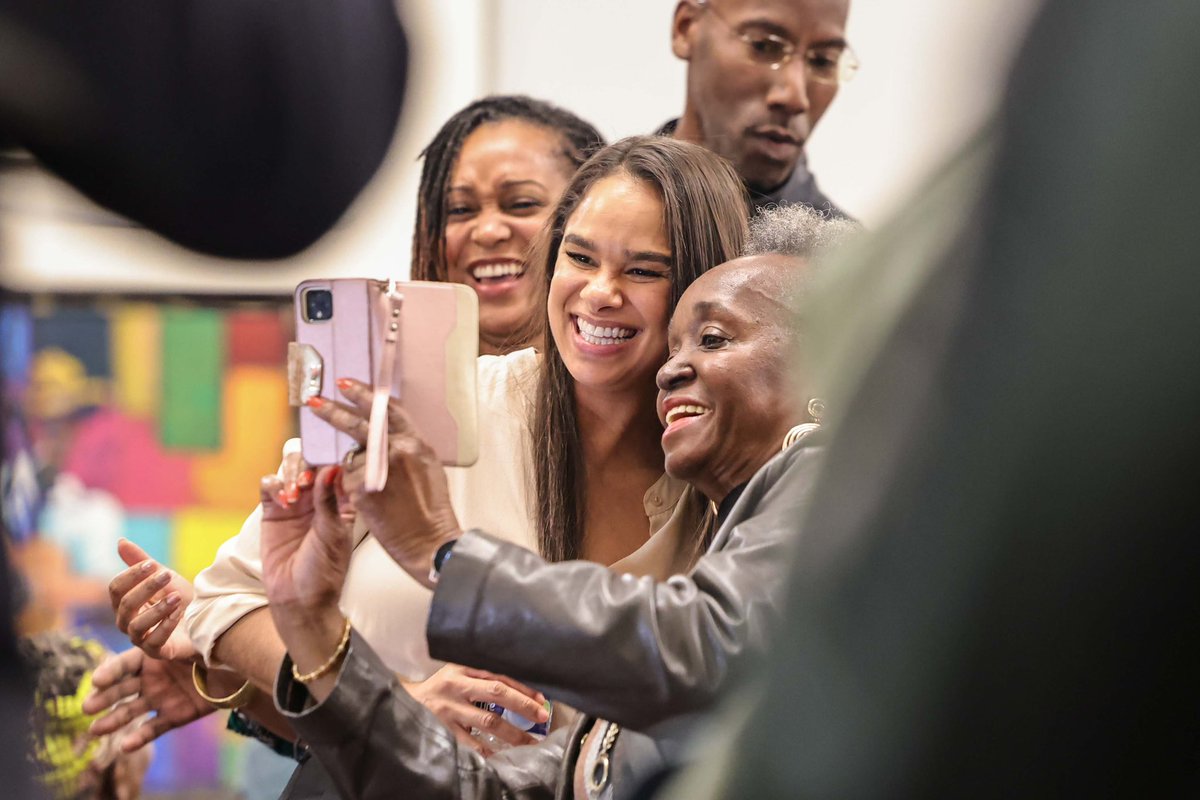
(236, 700)
(328, 665)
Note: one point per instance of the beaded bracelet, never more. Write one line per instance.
(328, 665)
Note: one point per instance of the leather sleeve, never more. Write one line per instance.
(376, 741)
(618, 647)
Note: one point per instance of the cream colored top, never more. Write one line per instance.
(386, 606)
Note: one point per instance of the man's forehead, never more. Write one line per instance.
(790, 13)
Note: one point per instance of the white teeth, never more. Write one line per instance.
(498, 270)
(594, 334)
(685, 411)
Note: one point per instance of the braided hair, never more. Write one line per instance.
(579, 140)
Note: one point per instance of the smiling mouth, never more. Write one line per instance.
(601, 335)
(684, 411)
(496, 271)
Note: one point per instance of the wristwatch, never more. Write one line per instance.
(440, 558)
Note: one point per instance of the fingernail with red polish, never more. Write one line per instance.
(332, 476)
(293, 495)
(305, 478)
(315, 402)
(344, 383)
(281, 498)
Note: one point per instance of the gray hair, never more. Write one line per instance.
(796, 230)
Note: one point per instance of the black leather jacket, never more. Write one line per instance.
(647, 655)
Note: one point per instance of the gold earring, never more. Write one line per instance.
(816, 410)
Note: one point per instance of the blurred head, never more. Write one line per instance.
(71, 763)
(490, 178)
(730, 392)
(761, 74)
(640, 221)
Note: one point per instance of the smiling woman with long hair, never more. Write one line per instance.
(640, 657)
(633, 228)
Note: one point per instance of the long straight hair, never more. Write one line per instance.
(705, 209)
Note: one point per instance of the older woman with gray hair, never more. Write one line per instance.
(639, 656)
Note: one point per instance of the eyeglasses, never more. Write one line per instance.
(831, 64)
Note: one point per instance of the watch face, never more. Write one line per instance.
(443, 555)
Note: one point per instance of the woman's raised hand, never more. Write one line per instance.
(306, 547)
(148, 600)
(412, 516)
(452, 692)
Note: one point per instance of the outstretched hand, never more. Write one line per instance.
(148, 600)
(131, 685)
(412, 516)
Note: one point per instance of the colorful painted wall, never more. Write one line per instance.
(146, 419)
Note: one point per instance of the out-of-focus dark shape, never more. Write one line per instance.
(240, 129)
(996, 591)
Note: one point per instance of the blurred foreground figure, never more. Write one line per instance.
(996, 593)
(71, 763)
(240, 129)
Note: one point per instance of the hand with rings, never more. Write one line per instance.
(412, 516)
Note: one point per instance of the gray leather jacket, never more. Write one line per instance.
(647, 655)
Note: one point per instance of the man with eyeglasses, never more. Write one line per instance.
(761, 74)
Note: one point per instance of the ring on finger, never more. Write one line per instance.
(348, 459)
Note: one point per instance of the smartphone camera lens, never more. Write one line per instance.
(318, 305)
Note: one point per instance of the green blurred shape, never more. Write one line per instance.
(193, 360)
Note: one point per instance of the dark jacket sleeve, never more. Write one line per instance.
(627, 649)
(376, 741)
(241, 129)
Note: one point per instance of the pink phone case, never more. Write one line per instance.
(434, 377)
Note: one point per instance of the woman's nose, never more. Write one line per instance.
(676, 372)
(490, 229)
(601, 291)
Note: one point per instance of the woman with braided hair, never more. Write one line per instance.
(491, 176)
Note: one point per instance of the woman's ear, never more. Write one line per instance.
(681, 29)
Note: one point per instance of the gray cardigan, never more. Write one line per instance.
(647, 655)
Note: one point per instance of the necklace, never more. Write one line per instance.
(601, 770)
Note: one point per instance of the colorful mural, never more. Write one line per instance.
(146, 419)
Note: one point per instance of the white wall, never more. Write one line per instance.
(609, 61)
(931, 68)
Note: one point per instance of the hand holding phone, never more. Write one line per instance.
(340, 333)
